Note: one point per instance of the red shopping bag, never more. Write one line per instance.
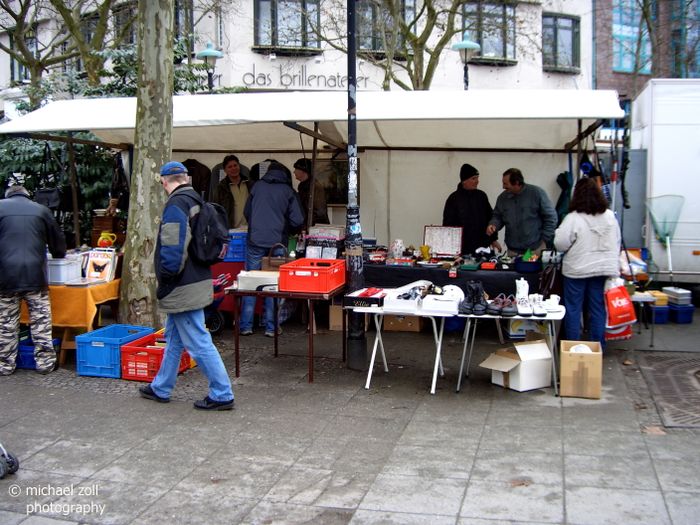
(619, 307)
(621, 333)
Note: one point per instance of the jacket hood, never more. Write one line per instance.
(276, 176)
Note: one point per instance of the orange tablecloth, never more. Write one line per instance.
(76, 306)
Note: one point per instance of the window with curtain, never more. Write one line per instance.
(124, 20)
(627, 29)
(373, 23)
(560, 43)
(18, 72)
(287, 23)
(184, 23)
(492, 26)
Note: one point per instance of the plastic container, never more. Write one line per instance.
(141, 362)
(236, 247)
(681, 313)
(312, 275)
(98, 352)
(25, 353)
(527, 266)
(660, 314)
(60, 271)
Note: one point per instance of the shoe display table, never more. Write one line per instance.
(494, 281)
(310, 299)
(470, 334)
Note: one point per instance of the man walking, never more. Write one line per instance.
(184, 289)
(26, 228)
(526, 212)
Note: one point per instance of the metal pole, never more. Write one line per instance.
(357, 343)
(210, 79)
(466, 76)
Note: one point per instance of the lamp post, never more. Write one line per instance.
(466, 49)
(210, 55)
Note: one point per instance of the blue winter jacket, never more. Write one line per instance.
(183, 284)
(272, 210)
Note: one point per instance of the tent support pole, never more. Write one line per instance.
(315, 134)
(73, 140)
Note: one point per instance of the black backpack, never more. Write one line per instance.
(210, 236)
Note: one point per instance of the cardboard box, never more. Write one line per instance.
(359, 299)
(581, 373)
(518, 328)
(527, 366)
(403, 323)
(335, 318)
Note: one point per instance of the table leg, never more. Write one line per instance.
(377, 342)
(275, 310)
(438, 350)
(236, 334)
(553, 343)
(345, 334)
(311, 340)
(651, 310)
(467, 333)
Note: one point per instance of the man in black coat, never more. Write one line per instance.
(469, 208)
(26, 228)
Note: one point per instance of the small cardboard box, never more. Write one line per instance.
(335, 318)
(581, 373)
(360, 299)
(518, 328)
(527, 366)
(403, 323)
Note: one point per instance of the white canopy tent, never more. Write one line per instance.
(402, 137)
(529, 120)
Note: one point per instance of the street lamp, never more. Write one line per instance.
(210, 55)
(466, 49)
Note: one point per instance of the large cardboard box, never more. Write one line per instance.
(581, 373)
(335, 318)
(527, 366)
(403, 323)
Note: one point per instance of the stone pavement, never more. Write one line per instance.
(331, 452)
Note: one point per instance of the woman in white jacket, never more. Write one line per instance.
(589, 236)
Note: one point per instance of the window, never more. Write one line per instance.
(125, 22)
(287, 23)
(373, 24)
(560, 43)
(18, 72)
(492, 26)
(184, 23)
(627, 30)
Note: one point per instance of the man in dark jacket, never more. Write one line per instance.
(184, 289)
(26, 228)
(303, 172)
(272, 212)
(469, 208)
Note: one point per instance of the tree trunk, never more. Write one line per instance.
(154, 118)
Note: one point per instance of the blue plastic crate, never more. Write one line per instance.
(25, 353)
(681, 313)
(660, 314)
(99, 352)
(236, 247)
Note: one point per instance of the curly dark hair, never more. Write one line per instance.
(588, 198)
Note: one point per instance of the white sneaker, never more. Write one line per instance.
(522, 302)
(538, 309)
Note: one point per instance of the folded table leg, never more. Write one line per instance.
(438, 349)
(378, 343)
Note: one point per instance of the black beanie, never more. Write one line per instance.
(467, 172)
(304, 165)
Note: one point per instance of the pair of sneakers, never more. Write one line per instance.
(505, 306)
(201, 404)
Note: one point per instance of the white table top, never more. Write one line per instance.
(551, 316)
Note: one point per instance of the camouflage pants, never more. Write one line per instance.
(40, 324)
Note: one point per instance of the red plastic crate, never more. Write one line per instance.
(140, 363)
(312, 275)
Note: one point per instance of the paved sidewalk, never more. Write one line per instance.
(331, 452)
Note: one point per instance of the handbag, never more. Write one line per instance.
(273, 262)
(48, 195)
(618, 305)
(550, 277)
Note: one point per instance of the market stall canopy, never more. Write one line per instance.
(477, 120)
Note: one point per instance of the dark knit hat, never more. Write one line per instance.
(467, 172)
(304, 165)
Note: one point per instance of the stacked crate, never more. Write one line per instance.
(660, 309)
(680, 305)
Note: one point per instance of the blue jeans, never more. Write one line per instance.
(591, 292)
(253, 261)
(187, 330)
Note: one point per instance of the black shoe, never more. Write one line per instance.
(209, 404)
(148, 393)
(477, 294)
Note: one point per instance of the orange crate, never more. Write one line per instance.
(141, 363)
(312, 275)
